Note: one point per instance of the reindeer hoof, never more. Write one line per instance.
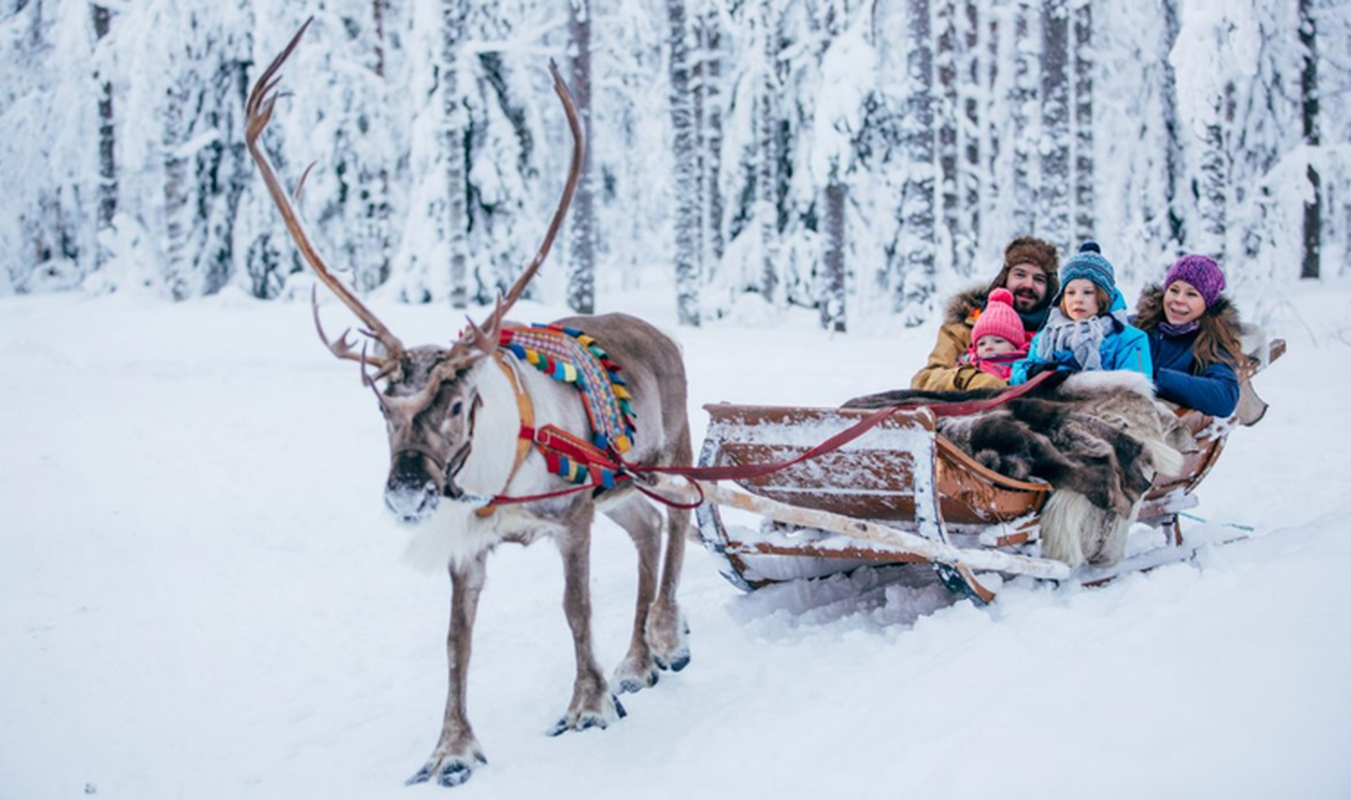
(676, 662)
(449, 773)
(631, 676)
(635, 683)
(585, 720)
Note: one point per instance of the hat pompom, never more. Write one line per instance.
(1002, 296)
(1090, 247)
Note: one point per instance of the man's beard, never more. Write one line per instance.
(1027, 301)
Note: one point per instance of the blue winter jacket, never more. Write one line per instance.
(1127, 347)
(1213, 391)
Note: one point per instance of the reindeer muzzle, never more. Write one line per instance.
(413, 490)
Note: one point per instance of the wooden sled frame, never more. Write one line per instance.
(902, 493)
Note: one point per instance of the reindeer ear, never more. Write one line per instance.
(474, 406)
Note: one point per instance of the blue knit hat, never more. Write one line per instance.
(1089, 263)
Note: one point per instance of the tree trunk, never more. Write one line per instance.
(916, 246)
(767, 151)
(178, 212)
(582, 215)
(832, 297)
(107, 187)
(710, 54)
(1212, 190)
(378, 206)
(1054, 209)
(1085, 212)
(971, 171)
(378, 16)
(1023, 99)
(686, 183)
(993, 130)
(1173, 157)
(1308, 94)
(945, 68)
(454, 148)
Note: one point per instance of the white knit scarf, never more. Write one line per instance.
(1083, 338)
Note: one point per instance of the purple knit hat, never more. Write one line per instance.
(1201, 272)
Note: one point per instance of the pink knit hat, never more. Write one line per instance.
(999, 319)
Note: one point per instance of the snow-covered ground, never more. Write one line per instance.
(201, 596)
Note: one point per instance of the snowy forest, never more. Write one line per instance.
(861, 159)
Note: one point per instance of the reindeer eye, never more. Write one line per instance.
(456, 408)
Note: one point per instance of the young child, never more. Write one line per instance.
(1193, 333)
(998, 338)
(1087, 329)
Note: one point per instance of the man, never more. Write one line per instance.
(1030, 273)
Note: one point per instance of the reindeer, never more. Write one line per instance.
(453, 415)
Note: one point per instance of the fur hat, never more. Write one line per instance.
(999, 319)
(1089, 263)
(1201, 272)
(1031, 250)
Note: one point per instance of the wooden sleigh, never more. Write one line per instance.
(902, 493)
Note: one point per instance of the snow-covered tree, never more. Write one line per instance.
(689, 213)
(582, 216)
(1309, 105)
(1085, 213)
(741, 151)
(1053, 210)
(107, 136)
(914, 288)
(710, 94)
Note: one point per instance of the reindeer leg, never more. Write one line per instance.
(458, 753)
(592, 704)
(667, 632)
(643, 523)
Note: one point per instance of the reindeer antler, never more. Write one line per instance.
(492, 326)
(262, 100)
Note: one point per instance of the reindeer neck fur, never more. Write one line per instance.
(457, 533)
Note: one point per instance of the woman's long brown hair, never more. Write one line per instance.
(1216, 343)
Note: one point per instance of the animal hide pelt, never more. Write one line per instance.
(1098, 438)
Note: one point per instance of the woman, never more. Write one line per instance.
(1193, 333)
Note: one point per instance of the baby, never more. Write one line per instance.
(998, 338)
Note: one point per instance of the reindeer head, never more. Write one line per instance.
(429, 398)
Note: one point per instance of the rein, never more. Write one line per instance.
(751, 471)
(556, 441)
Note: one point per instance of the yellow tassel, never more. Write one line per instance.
(622, 444)
(569, 373)
(622, 393)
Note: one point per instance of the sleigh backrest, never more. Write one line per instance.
(901, 471)
(1211, 433)
(876, 476)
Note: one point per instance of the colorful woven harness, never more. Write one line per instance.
(570, 356)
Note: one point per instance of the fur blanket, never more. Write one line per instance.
(1098, 438)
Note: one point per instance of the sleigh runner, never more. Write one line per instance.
(904, 493)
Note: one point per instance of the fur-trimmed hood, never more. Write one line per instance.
(1151, 305)
(962, 304)
(972, 299)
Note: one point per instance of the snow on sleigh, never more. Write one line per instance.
(839, 488)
